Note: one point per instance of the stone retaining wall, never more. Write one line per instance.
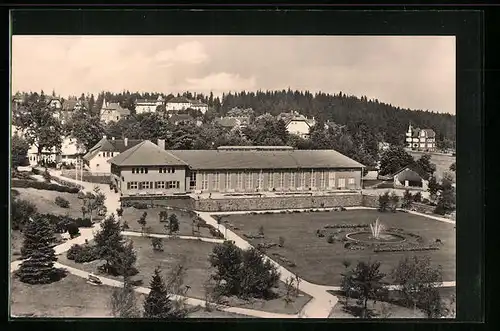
(338, 200)
(184, 202)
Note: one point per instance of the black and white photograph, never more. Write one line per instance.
(233, 176)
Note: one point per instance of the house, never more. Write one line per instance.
(149, 169)
(97, 157)
(69, 152)
(183, 103)
(148, 106)
(421, 139)
(233, 122)
(296, 123)
(177, 119)
(54, 103)
(113, 112)
(411, 176)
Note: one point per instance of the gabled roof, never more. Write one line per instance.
(227, 122)
(145, 101)
(264, 159)
(180, 117)
(115, 107)
(110, 145)
(430, 133)
(414, 167)
(179, 100)
(146, 154)
(69, 104)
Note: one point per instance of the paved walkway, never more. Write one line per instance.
(157, 235)
(322, 302)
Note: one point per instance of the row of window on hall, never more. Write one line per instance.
(151, 185)
(106, 154)
(326, 180)
(160, 170)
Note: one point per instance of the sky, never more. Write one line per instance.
(416, 72)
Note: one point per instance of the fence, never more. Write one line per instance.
(93, 177)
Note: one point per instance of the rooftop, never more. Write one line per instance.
(146, 154)
(111, 145)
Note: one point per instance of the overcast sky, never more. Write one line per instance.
(409, 72)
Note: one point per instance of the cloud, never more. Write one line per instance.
(189, 52)
(222, 82)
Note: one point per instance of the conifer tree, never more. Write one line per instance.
(109, 241)
(38, 252)
(158, 303)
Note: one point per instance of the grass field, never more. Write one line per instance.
(320, 262)
(45, 201)
(194, 256)
(75, 297)
(392, 309)
(131, 215)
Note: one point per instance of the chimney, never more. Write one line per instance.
(161, 143)
(125, 141)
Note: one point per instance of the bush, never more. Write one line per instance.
(22, 183)
(61, 202)
(82, 253)
(72, 229)
(330, 239)
(215, 233)
(125, 226)
(383, 201)
(81, 195)
(281, 241)
(261, 230)
(83, 222)
(21, 211)
(140, 205)
(417, 197)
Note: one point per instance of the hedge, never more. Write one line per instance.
(60, 222)
(82, 253)
(23, 183)
(406, 249)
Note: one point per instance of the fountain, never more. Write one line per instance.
(376, 228)
(376, 235)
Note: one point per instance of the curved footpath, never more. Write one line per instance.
(319, 306)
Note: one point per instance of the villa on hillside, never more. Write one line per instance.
(147, 169)
(113, 112)
(421, 139)
(69, 152)
(96, 160)
(296, 123)
(148, 106)
(183, 103)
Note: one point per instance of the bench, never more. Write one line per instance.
(94, 279)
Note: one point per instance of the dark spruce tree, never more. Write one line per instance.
(38, 254)
(158, 303)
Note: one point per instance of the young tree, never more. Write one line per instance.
(424, 162)
(123, 262)
(407, 200)
(157, 244)
(142, 221)
(258, 276)
(393, 201)
(173, 223)
(158, 303)
(367, 282)
(383, 201)
(85, 128)
(38, 254)
(418, 280)
(261, 230)
(281, 241)
(433, 188)
(119, 211)
(163, 215)
(447, 201)
(394, 159)
(124, 302)
(227, 258)
(93, 201)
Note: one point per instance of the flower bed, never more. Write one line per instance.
(346, 226)
(406, 248)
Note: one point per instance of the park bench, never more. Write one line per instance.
(94, 279)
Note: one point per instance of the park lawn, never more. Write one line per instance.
(193, 254)
(394, 308)
(319, 262)
(44, 201)
(73, 296)
(131, 215)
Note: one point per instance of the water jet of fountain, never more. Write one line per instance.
(376, 228)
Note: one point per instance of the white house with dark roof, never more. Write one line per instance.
(421, 139)
(69, 152)
(183, 103)
(148, 106)
(297, 124)
(149, 169)
(97, 157)
(113, 112)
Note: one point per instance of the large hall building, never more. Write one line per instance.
(147, 169)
